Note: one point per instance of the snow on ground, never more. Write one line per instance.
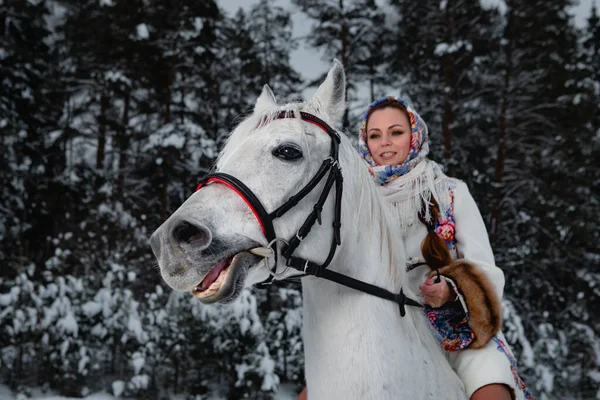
(286, 392)
(7, 394)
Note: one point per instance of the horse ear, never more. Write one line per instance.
(265, 101)
(330, 97)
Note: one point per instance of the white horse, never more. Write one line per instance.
(357, 346)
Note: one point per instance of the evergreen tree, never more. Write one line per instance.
(437, 53)
(539, 148)
(352, 31)
(270, 29)
(32, 153)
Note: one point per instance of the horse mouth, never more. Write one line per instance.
(224, 280)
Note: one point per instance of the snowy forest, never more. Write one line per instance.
(112, 110)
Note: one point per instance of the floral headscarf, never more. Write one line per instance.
(419, 146)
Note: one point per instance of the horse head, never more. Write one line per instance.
(206, 246)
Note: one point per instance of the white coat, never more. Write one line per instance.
(494, 362)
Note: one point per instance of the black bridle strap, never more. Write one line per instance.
(315, 215)
(263, 217)
(295, 199)
(310, 268)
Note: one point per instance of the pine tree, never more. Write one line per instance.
(352, 31)
(32, 153)
(437, 58)
(270, 29)
(539, 149)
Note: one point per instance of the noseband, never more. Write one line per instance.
(331, 167)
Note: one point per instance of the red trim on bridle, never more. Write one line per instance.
(282, 115)
(230, 186)
(317, 124)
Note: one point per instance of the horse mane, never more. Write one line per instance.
(373, 220)
(378, 221)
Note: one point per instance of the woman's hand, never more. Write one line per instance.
(435, 294)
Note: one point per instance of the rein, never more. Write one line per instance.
(329, 166)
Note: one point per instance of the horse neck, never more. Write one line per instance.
(356, 345)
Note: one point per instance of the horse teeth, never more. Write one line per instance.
(261, 251)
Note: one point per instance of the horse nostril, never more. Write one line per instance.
(191, 234)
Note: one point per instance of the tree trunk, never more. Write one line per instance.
(500, 160)
(176, 376)
(165, 165)
(448, 67)
(124, 140)
(164, 195)
(102, 132)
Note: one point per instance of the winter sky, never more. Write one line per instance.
(312, 63)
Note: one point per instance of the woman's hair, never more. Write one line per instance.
(389, 103)
(434, 249)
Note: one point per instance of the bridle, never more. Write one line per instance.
(332, 169)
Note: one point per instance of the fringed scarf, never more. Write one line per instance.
(408, 185)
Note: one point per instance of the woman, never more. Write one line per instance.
(450, 257)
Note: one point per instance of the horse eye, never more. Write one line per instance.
(287, 152)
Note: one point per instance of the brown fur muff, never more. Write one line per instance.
(482, 302)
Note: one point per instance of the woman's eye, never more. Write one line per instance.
(287, 152)
(374, 136)
(397, 133)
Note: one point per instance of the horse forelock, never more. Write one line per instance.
(251, 124)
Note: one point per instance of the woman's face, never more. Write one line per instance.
(388, 136)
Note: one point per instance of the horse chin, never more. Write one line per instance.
(230, 281)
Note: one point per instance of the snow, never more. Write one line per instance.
(135, 325)
(83, 361)
(198, 24)
(118, 387)
(142, 32)
(138, 361)
(140, 381)
(64, 348)
(285, 392)
(445, 48)
(490, 4)
(68, 324)
(10, 297)
(174, 140)
(117, 76)
(167, 136)
(546, 379)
